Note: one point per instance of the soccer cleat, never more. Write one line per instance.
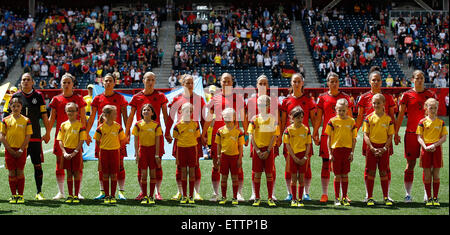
(294, 203)
(234, 201)
(59, 196)
(144, 200)
(20, 199)
(223, 201)
(13, 199)
(324, 198)
(306, 197)
(106, 200)
(158, 197)
(348, 199)
(139, 197)
(76, 199)
(300, 203)
(183, 200)
(80, 196)
(288, 197)
(436, 202)
(370, 202)
(388, 202)
(274, 198)
(271, 203)
(122, 195)
(176, 197)
(240, 197)
(151, 200)
(197, 197)
(256, 202)
(39, 196)
(429, 202)
(100, 196)
(252, 197)
(408, 198)
(69, 199)
(112, 200)
(191, 200)
(345, 202)
(337, 202)
(214, 198)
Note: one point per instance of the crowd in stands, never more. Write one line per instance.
(423, 43)
(239, 39)
(90, 43)
(15, 32)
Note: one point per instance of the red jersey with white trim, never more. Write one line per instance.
(415, 102)
(197, 101)
(157, 99)
(59, 104)
(219, 102)
(365, 102)
(327, 104)
(304, 101)
(116, 99)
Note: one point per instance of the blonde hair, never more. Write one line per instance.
(332, 74)
(417, 73)
(228, 113)
(342, 102)
(71, 104)
(379, 96)
(264, 99)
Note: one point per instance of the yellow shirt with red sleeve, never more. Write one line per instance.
(378, 128)
(431, 130)
(186, 133)
(71, 133)
(109, 136)
(263, 130)
(147, 132)
(299, 138)
(15, 130)
(229, 140)
(341, 131)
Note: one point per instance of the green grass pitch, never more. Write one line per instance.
(90, 189)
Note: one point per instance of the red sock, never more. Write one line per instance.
(428, 188)
(77, 186)
(344, 182)
(184, 186)
(235, 188)
(20, 184)
(144, 187)
(409, 176)
(13, 184)
(300, 191)
(384, 185)
(436, 184)
(337, 188)
(257, 184)
(369, 184)
(215, 175)
(159, 174)
(121, 175)
(70, 185)
(223, 187)
(270, 187)
(191, 186)
(294, 191)
(106, 186)
(152, 187)
(113, 186)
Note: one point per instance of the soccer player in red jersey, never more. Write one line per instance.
(262, 85)
(365, 108)
(188, 96)
(325, 111)
(227, 98)
(159, 101)
(412, 102)
(110, 97)
(58, 105)
(297, 98)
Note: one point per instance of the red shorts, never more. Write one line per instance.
(372, 161)
(431, 159)
(296, 168)
(259, 165)
(73, 164)
(13, 163)
(109, 161)
(412, 146)
(199, 148)
(147, 157)
(364, 149)
(229, 163)
(187, 156)
(341, 164)
(323, 152)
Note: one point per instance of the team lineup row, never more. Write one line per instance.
(263, 128)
